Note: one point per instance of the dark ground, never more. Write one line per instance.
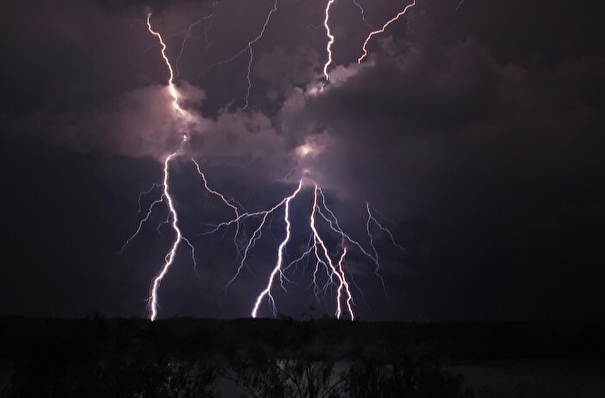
(57, 357)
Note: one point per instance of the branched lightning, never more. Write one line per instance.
(227, 202)
(178, 238)
(381, 30)
(256, 235)
(188, 35)
(169, 259)
(323, 257)
(143, 221)
(363, 14)
(207, 27)
(372, 220)
(317, 249)
(166, 195)
(322, 223)
(280, 254)
(250, 51)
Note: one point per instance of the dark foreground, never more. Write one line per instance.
(98, 357)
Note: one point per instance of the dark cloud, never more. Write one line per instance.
(283, 70)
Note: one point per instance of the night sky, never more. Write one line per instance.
(475, 129)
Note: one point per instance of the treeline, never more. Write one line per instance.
(454, 340)
(98, 357)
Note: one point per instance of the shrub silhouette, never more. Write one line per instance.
(263, 373)
(131, 358)
(402, 378)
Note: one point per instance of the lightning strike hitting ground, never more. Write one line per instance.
(166, 195)
(337, 270)
(256, 235)
(326, 261)
(153, 298)
(280, 255)
(381, 30)
(317, 249)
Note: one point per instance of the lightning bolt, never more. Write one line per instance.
(460, 4)
(143, 221)
(256, 235)
(188, 36)
(207, 28)
(173, 221)
(280, 255)
(317, 248)
(330, 38)
(227, 202)
(381, 30)
(363, 14)
(166, 195)
(169, 259)
(321, 250)
(372, 219)
(171, 86)
(250, 51)
(330, 263)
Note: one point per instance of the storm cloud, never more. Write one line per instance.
(477, 130)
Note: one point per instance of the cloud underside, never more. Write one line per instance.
(424, 108)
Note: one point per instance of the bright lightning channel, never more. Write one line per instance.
(334, 268)
(317, 248)
(330, 38)
(382, 29)
(169, 259)
(280, 255)
(171, 86)
(166, 195)
(337, 270)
